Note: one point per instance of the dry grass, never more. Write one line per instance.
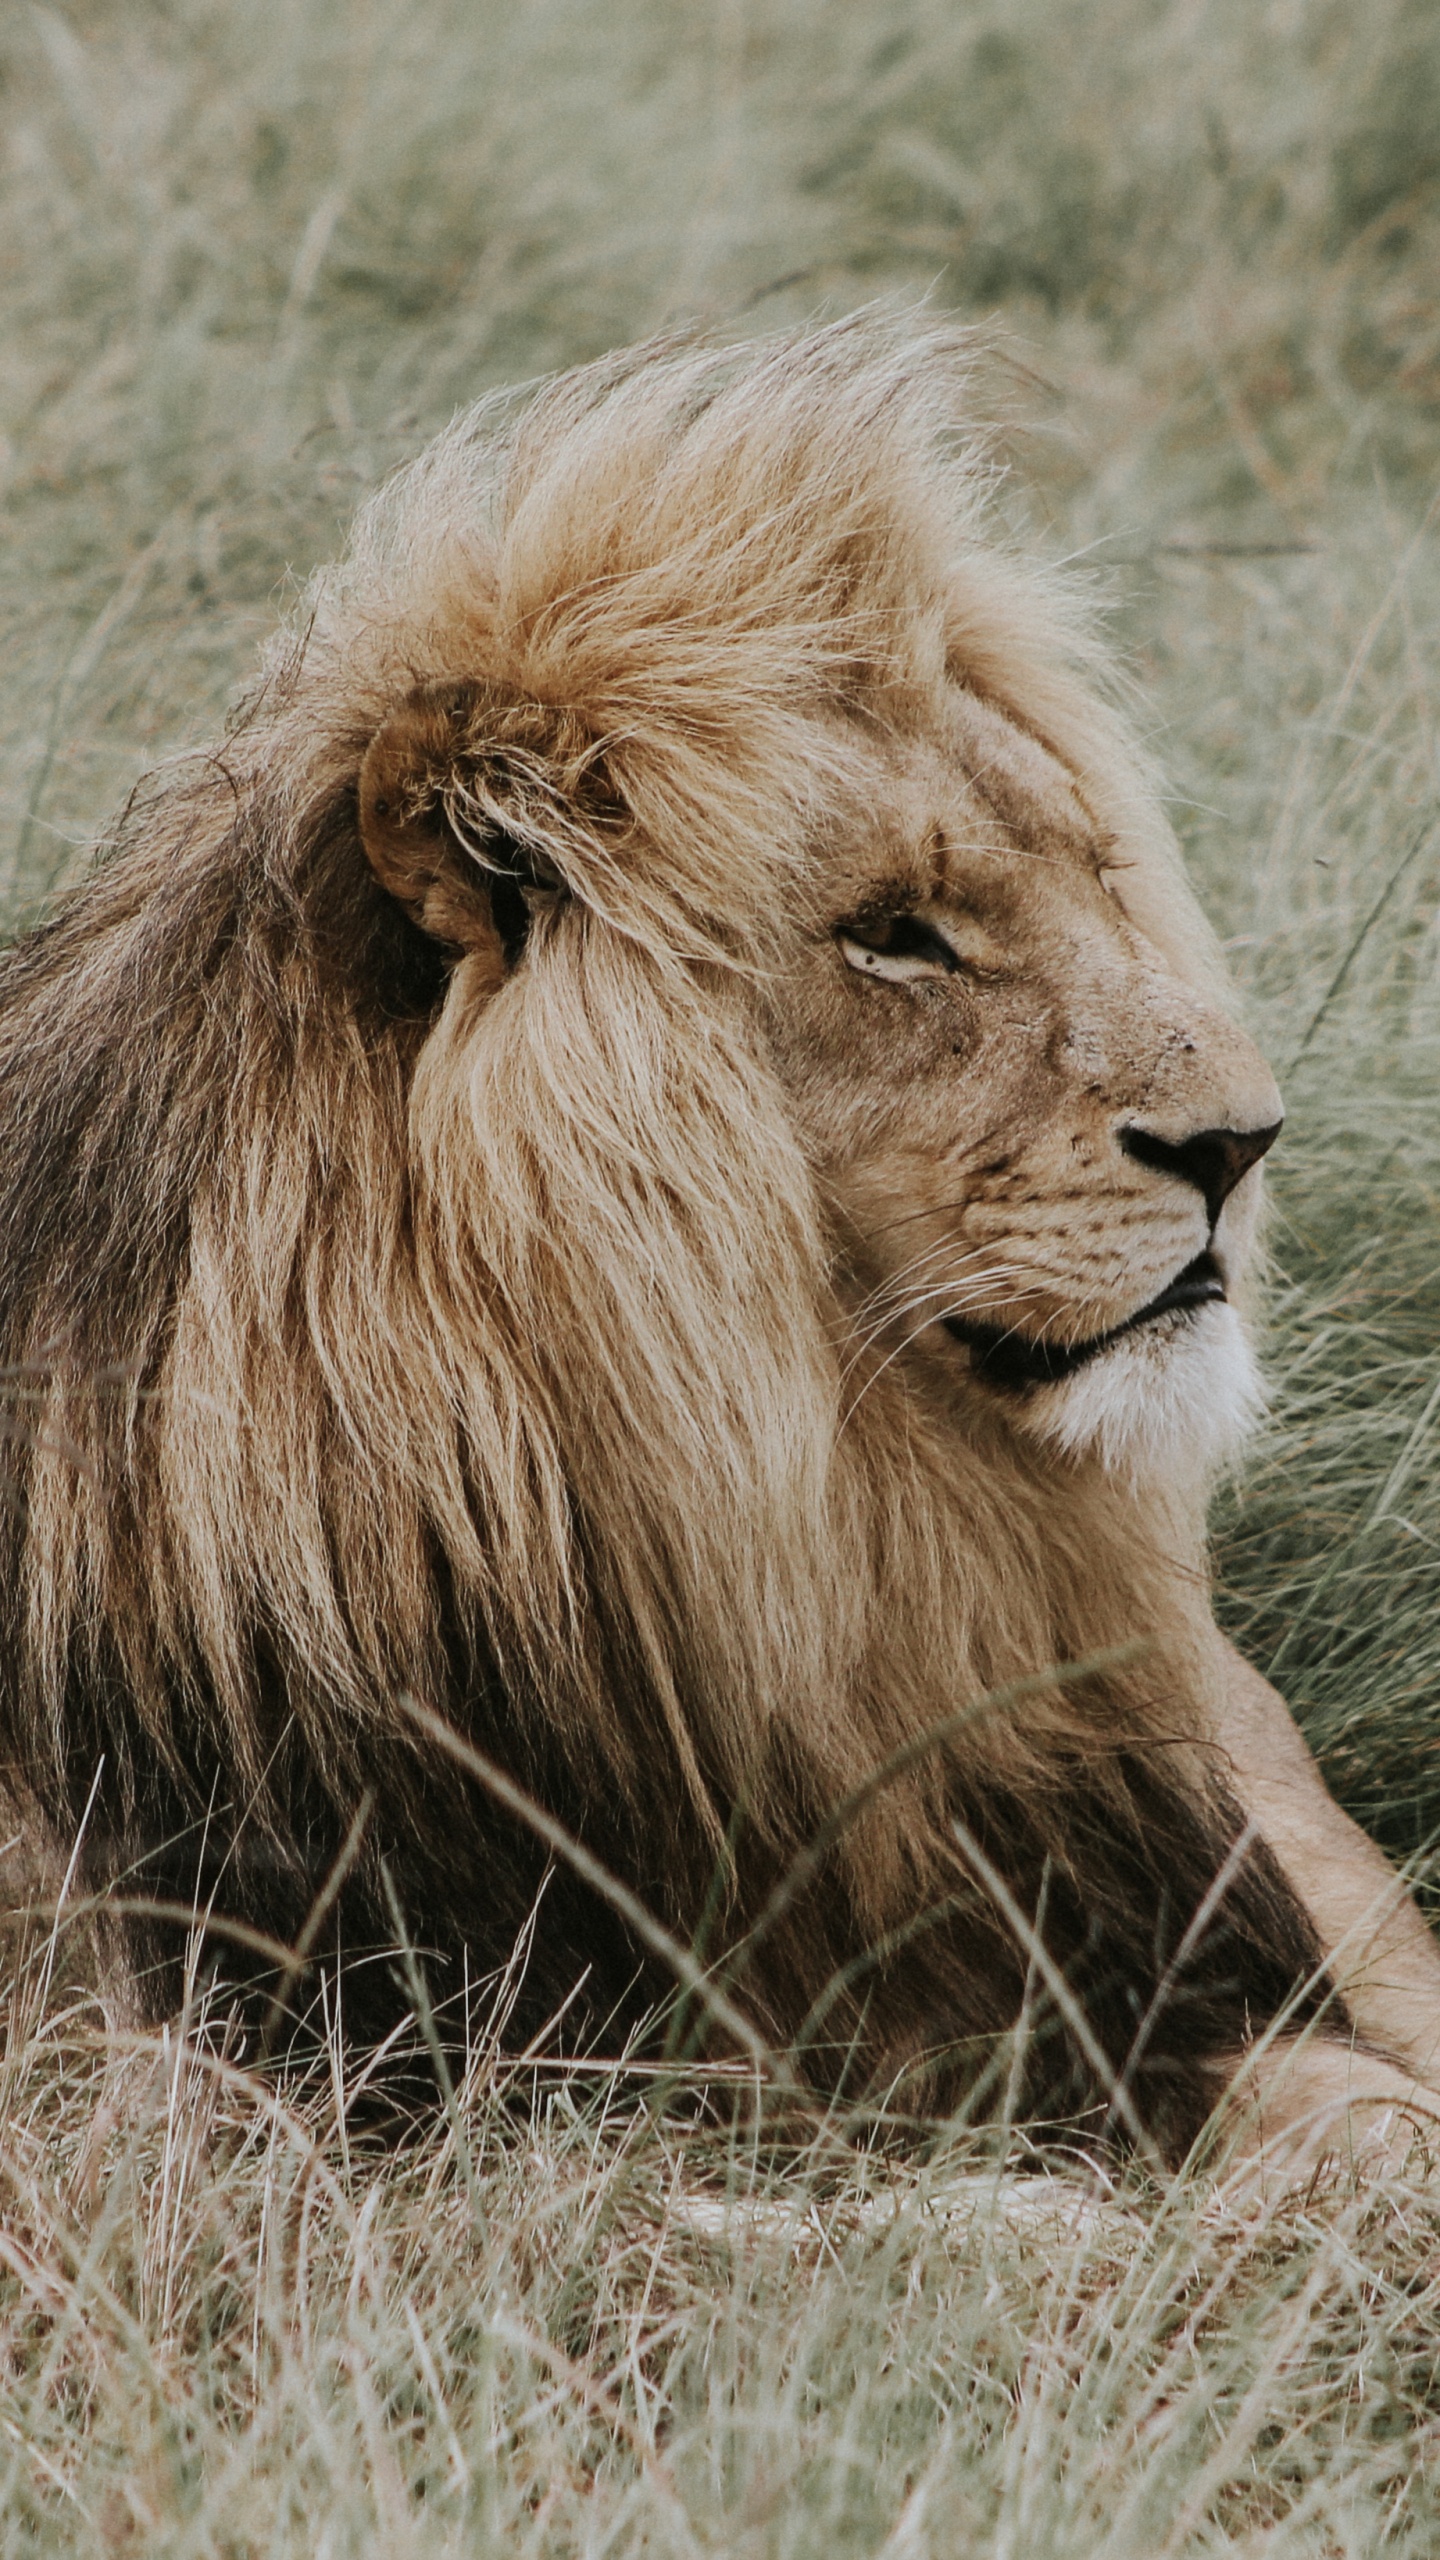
(233, 2323)
(246, 259)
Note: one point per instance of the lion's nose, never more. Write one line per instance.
(1213, 1160)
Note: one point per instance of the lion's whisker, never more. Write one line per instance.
(976, 1294)
(1017, 1298)
(897, 1279)
(964, 1286)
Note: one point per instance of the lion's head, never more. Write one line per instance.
(648, 1156)
(984, 987)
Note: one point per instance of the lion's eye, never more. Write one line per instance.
(898, 947)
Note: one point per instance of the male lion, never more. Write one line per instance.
(647, 1166)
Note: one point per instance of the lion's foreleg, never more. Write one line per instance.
(1382, 1956)
(1301, 2106)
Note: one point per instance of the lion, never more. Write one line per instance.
(626, 1227)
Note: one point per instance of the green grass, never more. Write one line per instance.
(248, 257)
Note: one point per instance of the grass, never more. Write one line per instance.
(247, 258)
(232, 2330)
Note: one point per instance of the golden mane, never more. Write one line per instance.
(375, 1334)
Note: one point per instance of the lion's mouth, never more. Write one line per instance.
(1004, 1358)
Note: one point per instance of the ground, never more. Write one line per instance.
(247, 259)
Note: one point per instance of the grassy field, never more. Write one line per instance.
(247, 258)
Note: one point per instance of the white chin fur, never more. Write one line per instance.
(1176, 1396)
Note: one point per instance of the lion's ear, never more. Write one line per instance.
(409, 843)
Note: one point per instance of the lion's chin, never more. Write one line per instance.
(1176, 1397)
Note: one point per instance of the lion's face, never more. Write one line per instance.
(1037, 1137)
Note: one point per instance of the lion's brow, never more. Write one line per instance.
(1092, 855)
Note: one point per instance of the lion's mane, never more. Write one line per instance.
(372, 1335)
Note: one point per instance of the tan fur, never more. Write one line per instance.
(585, 1316)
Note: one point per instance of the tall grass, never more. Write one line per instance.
(247, 259)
